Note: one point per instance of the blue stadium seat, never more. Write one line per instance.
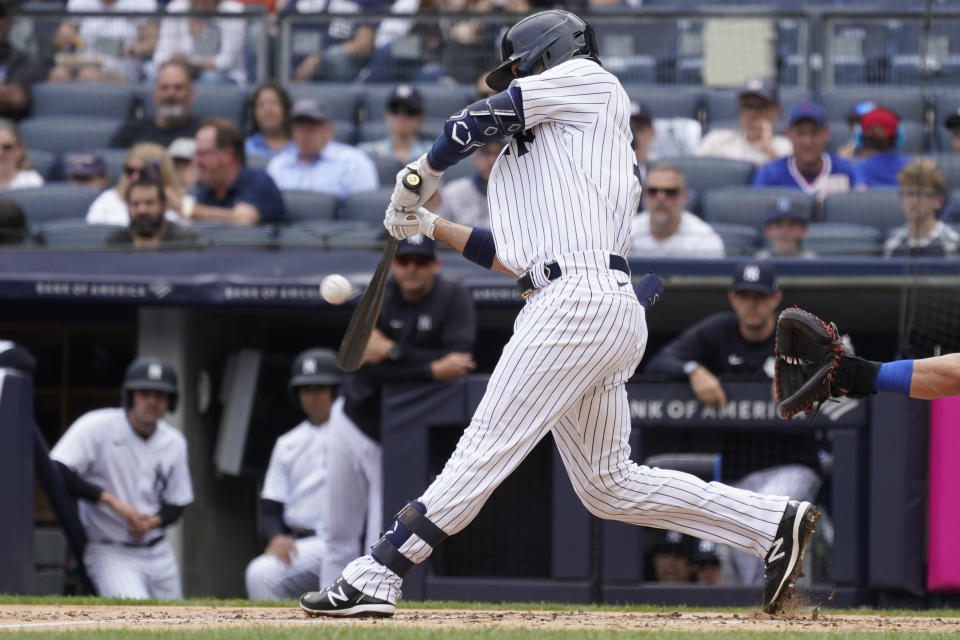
(377, 129)
(949, 165)
(829, 238)
(115, 159)
(73, 234)
(440, 101)
(667, 102)
(738, 239)
(721, 104)
(82, 99)
(878, 208)
(908, 102)
(462, 169)
(710, 173)
(54, 201)
(345, 131)
(367, 207)
(748, 205)
(945, 102)
(387, 169)
(63, 134)
(317, 233)
(210, 100)
(343, 100)
(217, 235)
(368, 238)
(305, 206)
(632, 68)
(44, 162)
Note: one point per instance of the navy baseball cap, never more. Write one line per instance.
(405, 95)
(86, 165)
(755, 276)
(786, 208)
(418, 245)
(761, 87)
(309, 109)
(808, 110)
(640, 112)
(953, 120)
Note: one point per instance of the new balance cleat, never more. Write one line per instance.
(343, 601)
(783, 564)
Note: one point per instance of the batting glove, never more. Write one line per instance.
(403, 224)
(405, 199)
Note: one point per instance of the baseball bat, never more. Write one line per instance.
(365, 316)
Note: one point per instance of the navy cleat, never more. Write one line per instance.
(343, 601)
(783, 565)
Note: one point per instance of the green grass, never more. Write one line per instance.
(396, 633)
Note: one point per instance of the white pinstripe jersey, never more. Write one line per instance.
(573, 186)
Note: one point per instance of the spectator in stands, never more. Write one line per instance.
(212, 48)
(953, 124)
(404, 117)
(87, 169)
(672, 557)
(811, 168)
(641, 127)
(665, 228)
(172, 119)
(707, 565)
(181, 152)
(20, 72)
(103, 49)
(15, 171)
(879, 135)
(320, 163)
(13, 223)
(754, 141)
(337, 50)
(148, 229)
(922, 188)
(852, 148)
(784, 228)
(738, 343)
(145, 160)
(270, 114)
(465, 200)
(227, 190)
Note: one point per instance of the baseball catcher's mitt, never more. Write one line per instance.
(812, 364)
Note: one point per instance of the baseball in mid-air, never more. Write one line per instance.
(335, 289)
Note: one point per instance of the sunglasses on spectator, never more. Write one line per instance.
(402, 109)
(417, 261)
(670, 192)
(127, 169)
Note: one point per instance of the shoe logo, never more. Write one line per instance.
(775, 552)
(339, 596)
(735, 360)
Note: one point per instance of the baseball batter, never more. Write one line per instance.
(322, 484)
(129, 467)
(561, 197)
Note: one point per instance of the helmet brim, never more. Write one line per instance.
(501, 77)
(152, 385)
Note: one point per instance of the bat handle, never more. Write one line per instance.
(412, 181)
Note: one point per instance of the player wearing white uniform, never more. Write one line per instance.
(129, 467)
(323, 482)
(561, 199)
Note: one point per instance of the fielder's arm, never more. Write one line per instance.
(937, 377)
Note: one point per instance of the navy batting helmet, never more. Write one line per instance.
(150, 374)
(313, 366)
(550, 37)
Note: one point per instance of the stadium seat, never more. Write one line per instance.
(73, 234)
(342, 100)
(915, 139)
(316, 233)
(878, 208)
(949, 165)
(667, 102)
(748, 205)
(115, 159)
(54, 201)
(216, 235)
(210, 100)
(632, 68)
(367, 207)
(721, 104)
(908, 102)
(258, 162)
(303, 206)
(377, 129)
(462, 169)
(63, 134)
(711, 173)
(345, 131)
(82, 99)
(368, 238)
(829, 238)
(387, 169)
(738, 239)
(44, 162)
(440, 101)
(946, 101)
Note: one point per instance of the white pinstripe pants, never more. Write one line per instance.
(575, 344)
(133, 572)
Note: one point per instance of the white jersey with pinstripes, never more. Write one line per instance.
(567, 194)
(572, 187)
